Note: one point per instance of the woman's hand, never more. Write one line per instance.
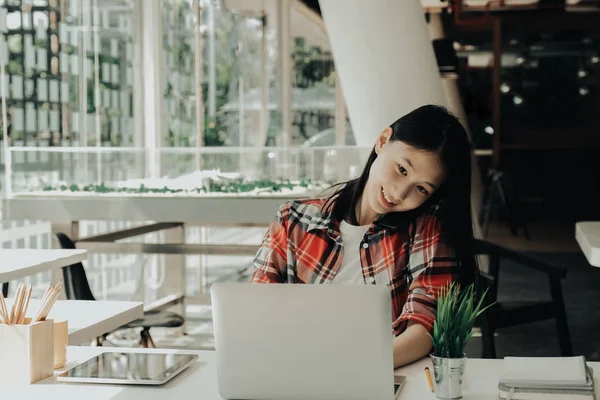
(412, 344)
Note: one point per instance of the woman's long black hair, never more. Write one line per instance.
(430, 128)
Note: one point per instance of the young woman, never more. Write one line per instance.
(405, 222)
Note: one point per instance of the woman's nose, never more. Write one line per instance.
(400, 193)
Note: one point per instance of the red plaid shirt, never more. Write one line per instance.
(304, 245)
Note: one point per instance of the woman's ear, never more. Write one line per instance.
(382, 139)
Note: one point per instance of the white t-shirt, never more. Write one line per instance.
(350, 272)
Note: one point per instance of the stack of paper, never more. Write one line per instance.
(560, 378)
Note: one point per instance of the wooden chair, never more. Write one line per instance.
(505, 314)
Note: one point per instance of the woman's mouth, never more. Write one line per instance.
(386, 200)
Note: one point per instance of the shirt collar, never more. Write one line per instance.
(325, 221)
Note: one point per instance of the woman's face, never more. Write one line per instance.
(401, 178)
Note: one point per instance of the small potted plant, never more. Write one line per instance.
(457, 310)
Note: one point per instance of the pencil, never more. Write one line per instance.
(428, 377)
(3, 308)
(3, 316)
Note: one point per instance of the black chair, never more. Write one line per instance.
(506, 314)
(500, 195)
(78, 288)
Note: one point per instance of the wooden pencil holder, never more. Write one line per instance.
(26, 352)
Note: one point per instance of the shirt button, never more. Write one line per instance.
(365, 245)
(371, 279)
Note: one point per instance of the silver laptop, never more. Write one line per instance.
(292, 342)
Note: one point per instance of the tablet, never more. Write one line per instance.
(129, 368)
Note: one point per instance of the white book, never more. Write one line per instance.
(520, 393)
(545, 372)
(506, 395)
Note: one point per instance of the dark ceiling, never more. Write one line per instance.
(313, 5)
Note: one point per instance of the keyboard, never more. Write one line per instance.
(397, 389)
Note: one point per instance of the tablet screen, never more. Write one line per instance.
(130, 367)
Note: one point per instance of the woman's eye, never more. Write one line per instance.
(422, 190)
(402, 170)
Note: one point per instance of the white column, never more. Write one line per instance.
(96, 51)
(154, 79)
(97, 91)
(199, 79)
(4, 94)
(137, 77)
(340, 113)
(284, 69)
(385, 61)
(84, 30)
(264, 81)
(173, 272)
(241, 114)
(212, 68)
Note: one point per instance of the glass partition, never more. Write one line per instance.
(228, 171)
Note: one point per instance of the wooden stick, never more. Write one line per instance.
(26, 304)
(13, 311)
(50, 304)
(43, 302)
(17, 304)
(60, 285)
(46, 293)
(22, 302)
(2, 315)
(3, 309)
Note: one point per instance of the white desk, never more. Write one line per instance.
(89, 319)
(199, 381)
(587, 235)
(19, 263)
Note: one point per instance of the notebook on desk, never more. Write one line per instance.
(530, 378)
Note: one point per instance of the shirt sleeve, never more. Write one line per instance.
(431, 266)
(270, 263)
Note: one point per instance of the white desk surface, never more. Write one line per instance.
(199, 381)
(587, 235)
(19, 263)
(89, 319)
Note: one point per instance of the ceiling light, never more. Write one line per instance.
(518, 100)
